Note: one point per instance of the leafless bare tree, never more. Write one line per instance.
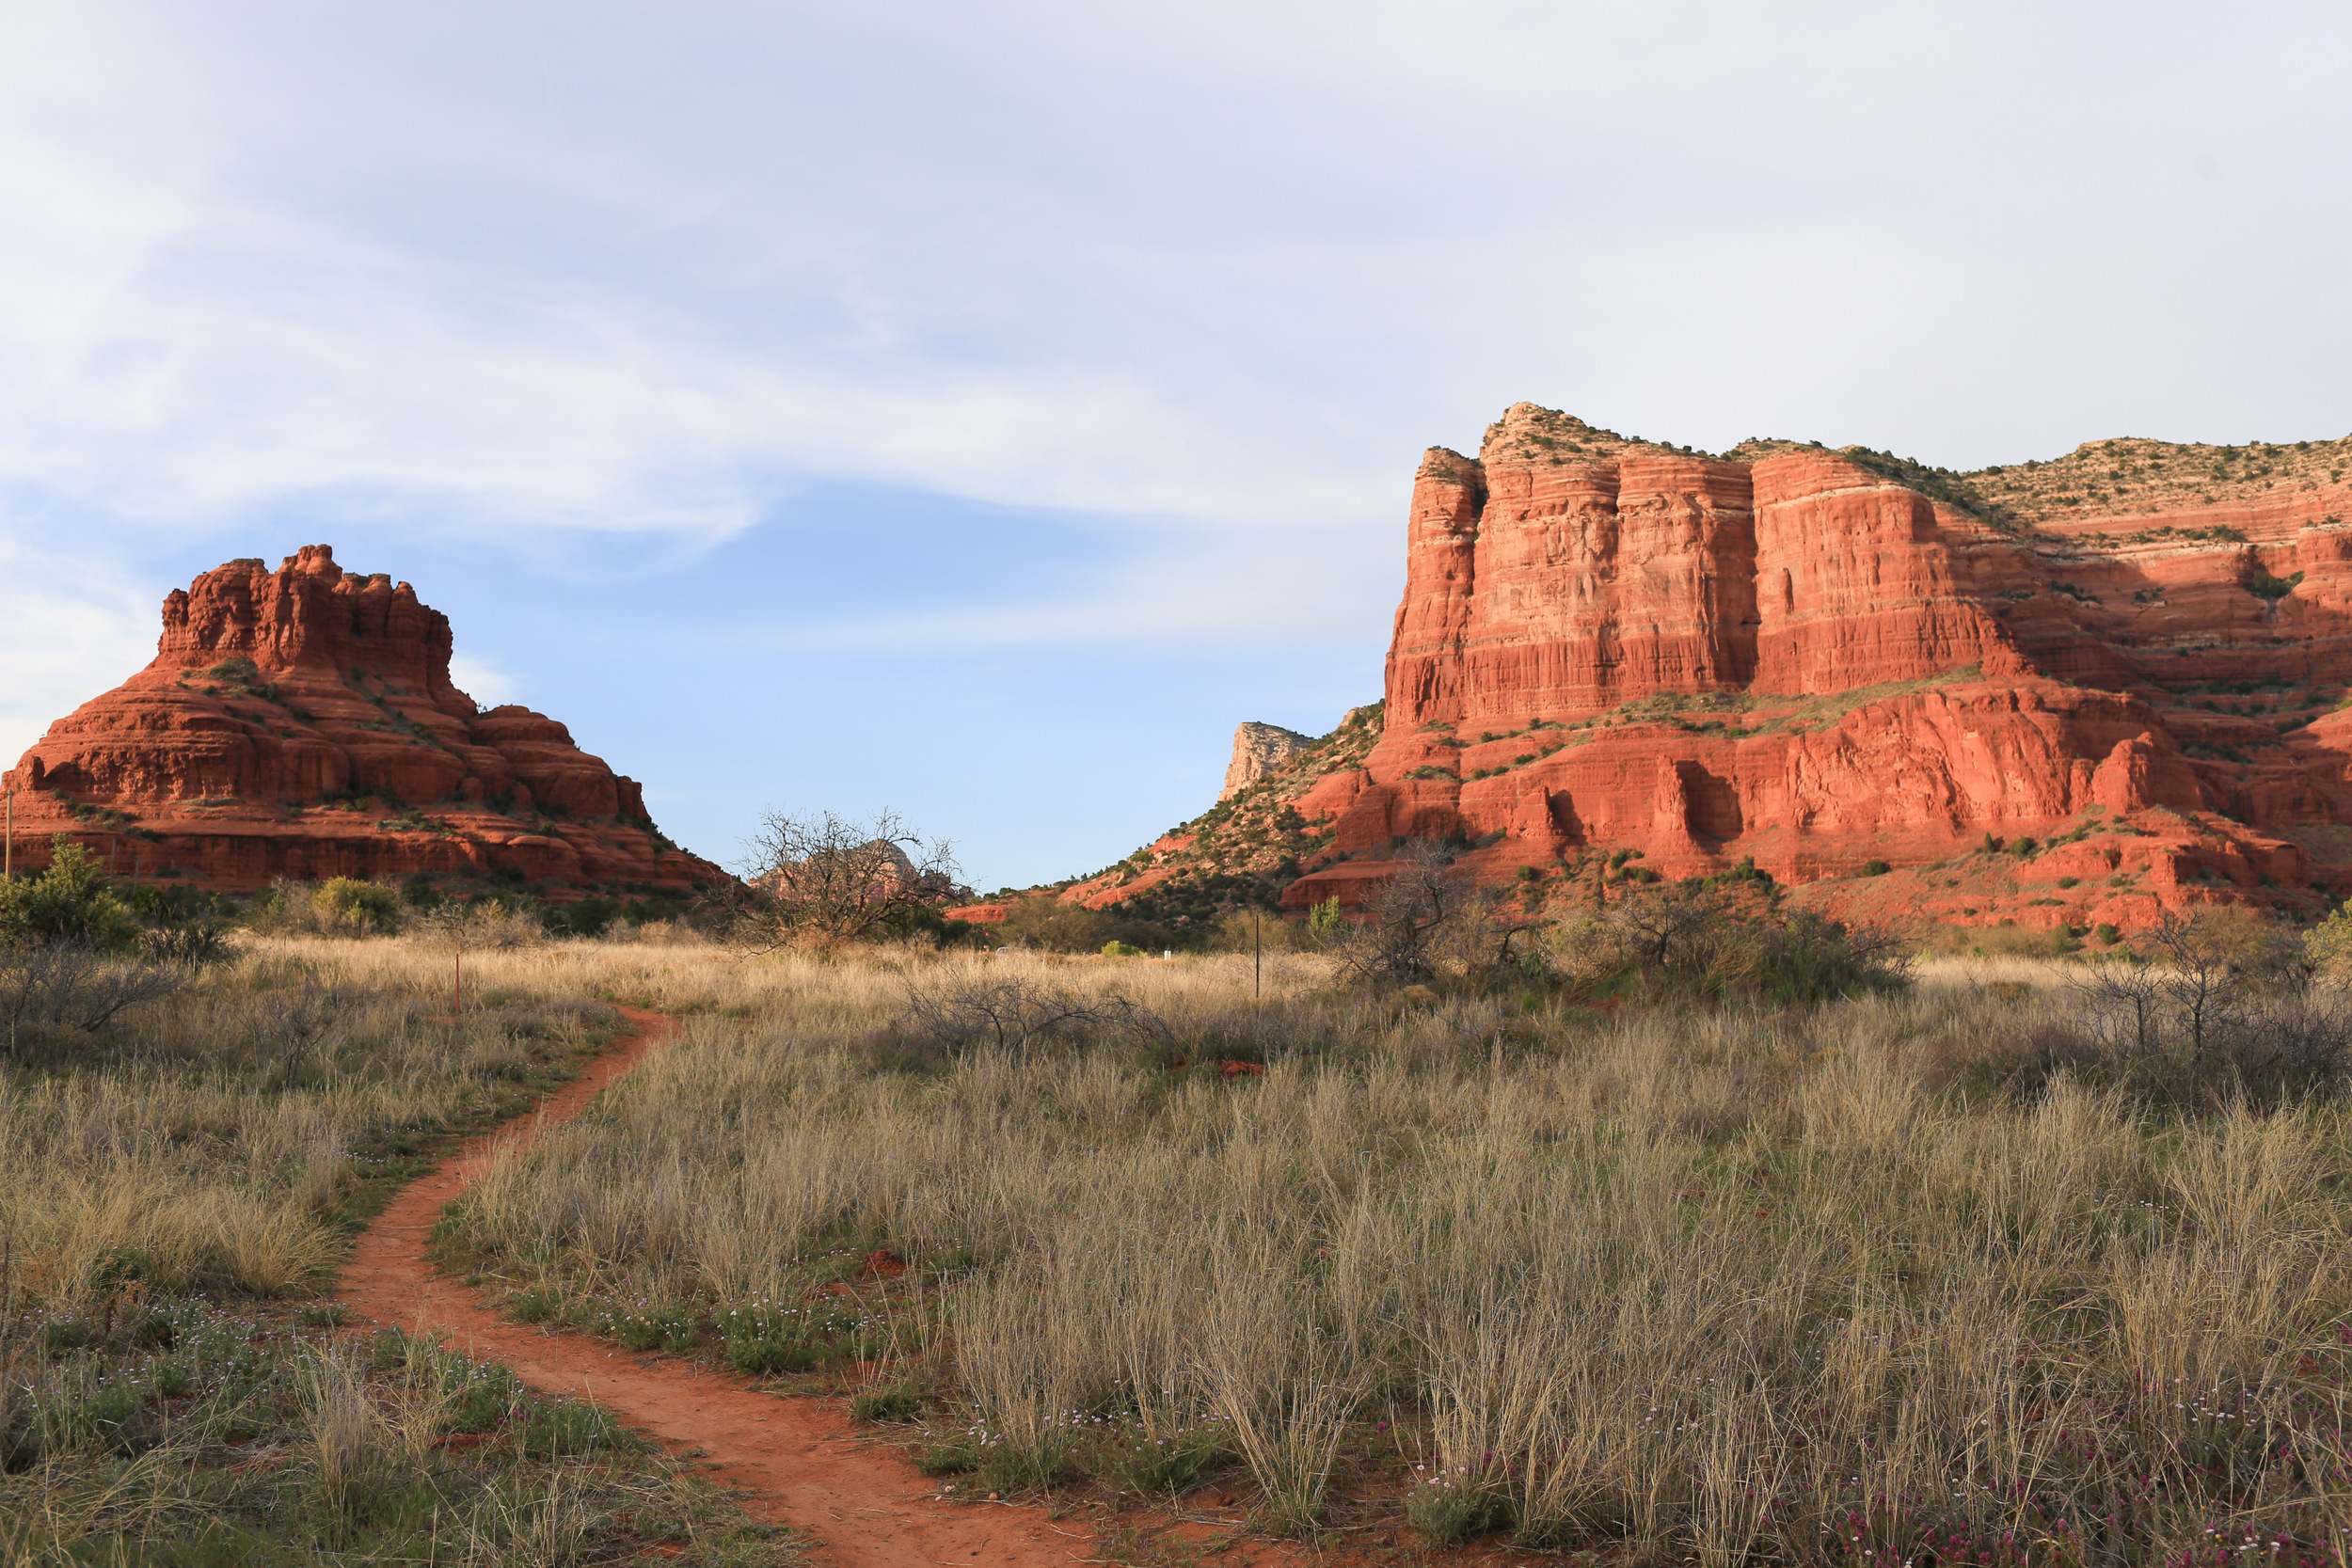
(70, 984)
(1426, 897)
(2210, 966)
(1670, 930)
(2122, 1007)
(459, 927)
(825, 879)
(1009, 1014)
(2222, 1007)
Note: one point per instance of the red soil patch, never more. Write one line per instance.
(858, 1505)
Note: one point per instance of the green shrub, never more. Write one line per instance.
(535, 1305)
(108, 1419)
(765, 1338)
(653, 1328)
(1059, 928)
(1117, 949)
(1713, 939)
(1134, 1457)
(1449, 1508)
(1808, 958)
(914, 923)
(952, 1455)
(195, 945)
(2327, 946)
(72, 901)
(1875, 868)
(347, 903)
(890, 1402)
(583, 917)
(553, 1429)
(1325, 920)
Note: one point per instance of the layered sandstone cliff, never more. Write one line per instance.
(2078, 691)
(302, 722)
(1817, 659)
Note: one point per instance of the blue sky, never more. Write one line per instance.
(977, 411)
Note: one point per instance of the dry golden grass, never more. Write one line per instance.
(1720, 1284)
(214, 1139)
(1965, 974)
(162, 1179)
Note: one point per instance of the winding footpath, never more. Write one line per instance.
(856, 1505)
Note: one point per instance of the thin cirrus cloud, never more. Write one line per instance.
(1090, 337)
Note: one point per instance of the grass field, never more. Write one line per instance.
(175, 1190)
(1802, 1285)
(1808, 1285)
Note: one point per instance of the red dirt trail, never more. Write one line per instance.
(856, 1506)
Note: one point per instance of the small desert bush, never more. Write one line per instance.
(2212, 1010)
(1050, 925)
(2327, 945)
(1716, 940)
(69, 903)
(338, 907)
(347, 904)
(1261, 930)
(1998, 941)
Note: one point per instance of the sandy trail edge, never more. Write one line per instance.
(856, 1505)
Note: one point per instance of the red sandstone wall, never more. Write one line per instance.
(349, 695)
(1560, 575)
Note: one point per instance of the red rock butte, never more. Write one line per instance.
(302, 723)
(2129, 662)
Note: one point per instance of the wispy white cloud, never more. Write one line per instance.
(633, 271)
(483, 681)
(77, 623)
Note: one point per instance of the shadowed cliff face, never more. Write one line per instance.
(1805, 659)
(279, 703)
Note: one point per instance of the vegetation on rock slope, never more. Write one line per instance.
(1243, 851)
(2123, 475)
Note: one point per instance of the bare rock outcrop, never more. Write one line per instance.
(1258, 751)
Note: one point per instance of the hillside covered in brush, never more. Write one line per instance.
(1239, 854)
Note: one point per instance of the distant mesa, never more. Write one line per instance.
(301, 724)
(2082, 690)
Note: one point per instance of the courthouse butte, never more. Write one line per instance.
(2079, 691)
(301, 722)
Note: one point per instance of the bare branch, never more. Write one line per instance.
(1009, 1014)
(1427, 894)
(824, 880)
